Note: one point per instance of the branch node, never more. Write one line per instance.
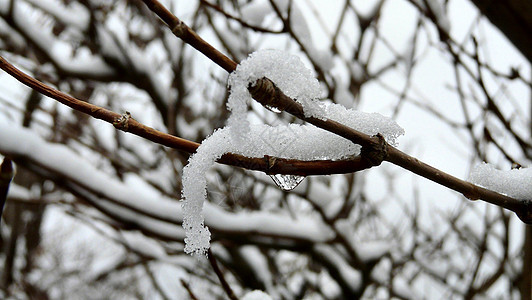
(375, 153)
(267, 94)
(122, 123)
(270, 163)
(179, 29)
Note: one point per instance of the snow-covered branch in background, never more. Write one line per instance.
(137, 204)
(292, 141)
(74, 14)
(111, 54)
(516, 183)
(80, 63)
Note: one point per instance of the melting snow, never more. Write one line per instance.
(303, 142)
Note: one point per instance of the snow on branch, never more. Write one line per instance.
(290, 75)
(292, 141)
(516, 183)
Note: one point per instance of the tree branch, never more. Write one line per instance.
(265, 92)
(128, 124)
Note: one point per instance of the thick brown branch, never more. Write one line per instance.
(127, 123)
(393, 155)
(96, 111)
(468, 189)
(239, 20)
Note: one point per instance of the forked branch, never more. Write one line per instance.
(276, 98)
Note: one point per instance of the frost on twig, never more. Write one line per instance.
(291, 141)
(516, 183)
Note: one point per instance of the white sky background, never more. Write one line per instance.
(427, 138)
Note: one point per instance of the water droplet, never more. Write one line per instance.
(287, 182)
(273, 108)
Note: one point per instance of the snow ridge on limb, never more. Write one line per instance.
(296, 81)
(286, 71)
(304, 142)
(516, 183)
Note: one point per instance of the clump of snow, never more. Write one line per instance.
(368, 123)
(292, 141)
(296, 81)
(516, 183)
(198, 237)
(287, 71)
(256, 295)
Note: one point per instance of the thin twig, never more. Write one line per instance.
(227, 288)
(189, 291)
(154, 281)
(239, 20)
(189, 36)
